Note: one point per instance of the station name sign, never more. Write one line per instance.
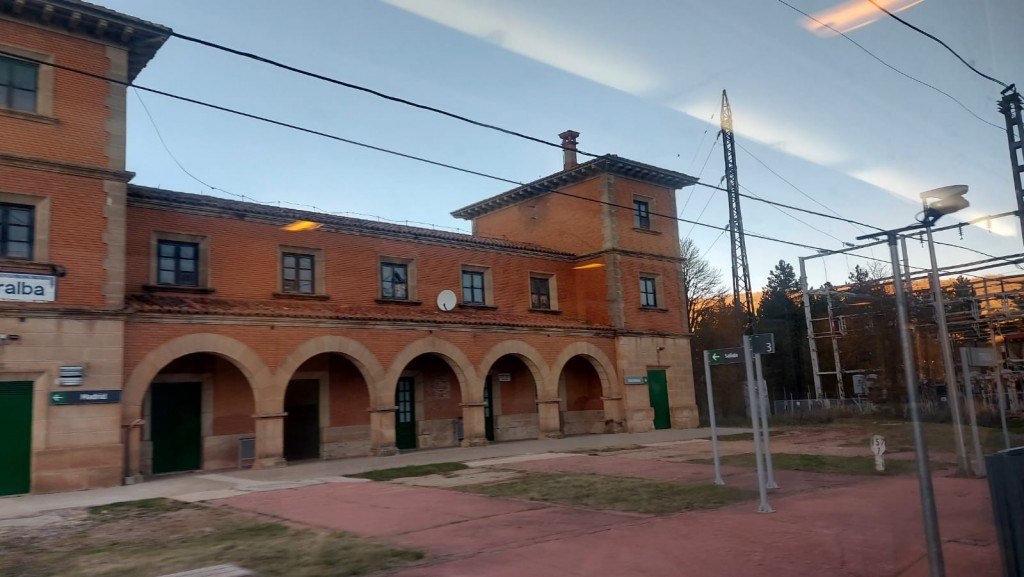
(21, 287)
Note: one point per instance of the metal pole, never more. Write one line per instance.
(1001, 391)
(841, 394)
(924, 474)
(763, 507)
(713, 419)
(906, 267)
(979, 457)
(952, 390)
(763, 387)
(812, 345)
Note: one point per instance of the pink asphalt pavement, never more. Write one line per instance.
(870, 528)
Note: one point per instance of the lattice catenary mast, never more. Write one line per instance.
(738, 245)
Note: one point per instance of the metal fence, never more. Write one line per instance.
(819, 406)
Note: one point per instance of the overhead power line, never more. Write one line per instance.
(371, 91)
(795, 187)
(377, 148)
(891, 67)
(944, 45)
(791, 207)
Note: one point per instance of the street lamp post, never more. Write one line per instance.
(924, 474)
(947, 199)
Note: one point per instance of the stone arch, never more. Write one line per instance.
(529, 355)
(239, 354)
(353, 350)
(452, 355)
(600, 361)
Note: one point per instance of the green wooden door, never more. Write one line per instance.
(405, 416)
(15, 438)
(488, 409)
(175, 426)
(302, 424)
(657, 385)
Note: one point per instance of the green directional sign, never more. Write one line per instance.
(726, 356)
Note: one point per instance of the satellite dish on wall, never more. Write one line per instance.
(446, 300)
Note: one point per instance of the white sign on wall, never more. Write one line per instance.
(15, 286)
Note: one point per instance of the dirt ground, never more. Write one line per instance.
(823, 524)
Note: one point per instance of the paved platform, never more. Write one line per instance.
(870, 528)
(202, 486)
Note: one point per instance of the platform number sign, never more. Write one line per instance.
(763, 344)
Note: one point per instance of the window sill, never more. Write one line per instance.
(653, 310)
(30, 116)
(481, 307)
(646, 231)
(404, 301)
(546, 311)
(30, 267)
(154, 288)
(302, 296)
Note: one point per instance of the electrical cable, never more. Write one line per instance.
(791, 207)
(795, 187)
(944, 45)
(803, 222)
(371, 91)
(377, 148)
(701, 173)
(890, 66)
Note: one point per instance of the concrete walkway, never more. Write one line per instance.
(208, 486)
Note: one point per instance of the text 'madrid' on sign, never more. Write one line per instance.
(16, 286)
(84, 397)
(726, 356)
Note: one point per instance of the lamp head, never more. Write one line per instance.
(941, 201)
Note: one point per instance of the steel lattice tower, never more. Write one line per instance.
(1011, 107)
(738, 244)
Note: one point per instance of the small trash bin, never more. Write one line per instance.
(1006, 487)
(458, 430)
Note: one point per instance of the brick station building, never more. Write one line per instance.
(146, 331)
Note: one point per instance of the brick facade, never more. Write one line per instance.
(311, 375)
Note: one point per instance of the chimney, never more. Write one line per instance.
(569, 148)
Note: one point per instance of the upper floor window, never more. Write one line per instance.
(18, 84)
(641, 214)
(394, 281)
(16, 231)
(540, 293)
(473, 287)
(648, 291)
(178, 263)
(297, 273)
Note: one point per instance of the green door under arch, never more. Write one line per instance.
(657, 385)
(488, 409)
(405, 414)
(176, 426)
(16, 435)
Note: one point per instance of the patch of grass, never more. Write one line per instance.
(940, 437)
(141, 507)
(410, 471)
(819, 464)
(615, 493)
(117, 541)
(737, 437)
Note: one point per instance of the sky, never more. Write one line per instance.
(640, 79)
